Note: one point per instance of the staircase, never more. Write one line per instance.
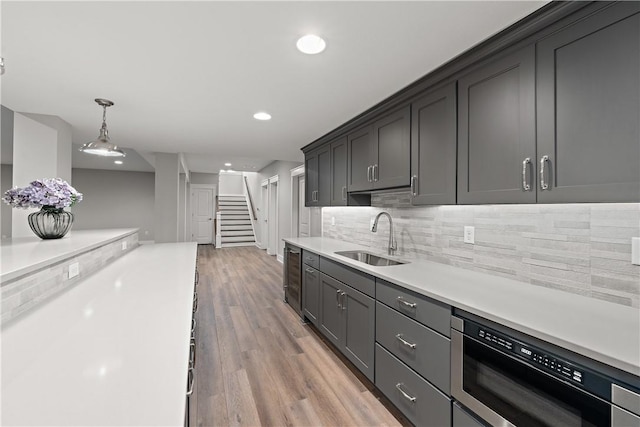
(235, 222)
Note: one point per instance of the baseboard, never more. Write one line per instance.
(258, 245)
(280, 259)
(146, 242)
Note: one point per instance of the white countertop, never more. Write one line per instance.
(22, 255)
(606, 332)
(112, 351)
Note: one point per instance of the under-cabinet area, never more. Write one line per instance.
(452, 347)
(550, 115)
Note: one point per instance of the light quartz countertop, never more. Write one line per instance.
(600, 330)
(23, 255)
(111, 351)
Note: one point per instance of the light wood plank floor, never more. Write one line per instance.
(257, 364)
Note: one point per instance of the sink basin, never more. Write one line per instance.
(369, 258)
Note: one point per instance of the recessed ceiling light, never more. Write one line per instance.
(227, 164)
(310, 44)
(262, 116)
(117, 162)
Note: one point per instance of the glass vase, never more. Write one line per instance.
(50, 222)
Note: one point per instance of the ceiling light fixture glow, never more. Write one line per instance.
(311, 44)
(262, 116)
(117, 162)
(227, 164)
(102, 146)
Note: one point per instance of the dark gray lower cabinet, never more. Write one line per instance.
(311, 294)
(462, 419)
(347, 319)
(419, 401)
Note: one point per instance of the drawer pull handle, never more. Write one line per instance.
(405, 394)
(407, 303)
(310, 270)
(400, 338)
(543, 184)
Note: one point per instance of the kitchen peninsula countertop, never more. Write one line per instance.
(600, 330)
(23, 255)
(113, 350)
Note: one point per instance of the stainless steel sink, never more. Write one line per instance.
(369, 258)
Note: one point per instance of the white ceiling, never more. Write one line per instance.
(188, 76)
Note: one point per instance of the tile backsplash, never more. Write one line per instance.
(580, 248)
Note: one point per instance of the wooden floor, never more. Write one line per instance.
(257, 364)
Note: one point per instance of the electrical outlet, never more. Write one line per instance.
(635, 250)
(333, 220)
(469, 234)
(124, 246)
(74, 270)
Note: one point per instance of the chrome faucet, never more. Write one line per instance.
(392, 242)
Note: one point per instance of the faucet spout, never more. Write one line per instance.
(391, 249)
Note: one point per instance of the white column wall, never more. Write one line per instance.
(167, 197)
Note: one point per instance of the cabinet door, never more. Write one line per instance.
(311, 294)
(311, 178)
(589, 108)
(359, 329)
(330, 310)
(433, 148)
(323, 196)
(392, 149)
(339, 172)
(496, 131)
(360, 160)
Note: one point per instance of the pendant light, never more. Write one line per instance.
(101, 146)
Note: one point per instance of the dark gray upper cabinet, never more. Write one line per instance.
(360, 160)
(588, 109)
(392, 149)
(433, 148)
(496, 131)
(318, 177)
(339, 172)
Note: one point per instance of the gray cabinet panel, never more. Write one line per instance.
(331, 322)
(434, 148)
(462, 419)
(358, 280)
(400, 384)
(434, 314)
(425, 351)
(360, 159)
(323, 197)
(311, 294)
(311, 178)
(359, 330)
(588, 86)
(392, 149)
(339, 172)
(311, 259)
(496, 130)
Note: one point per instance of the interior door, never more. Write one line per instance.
(202, 214)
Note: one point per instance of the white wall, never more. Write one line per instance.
(182, 207)
(203, 178)
(231, 184)
(64, 145)
(6, 180)
(166, 209)
(115, 199)
(283, 170)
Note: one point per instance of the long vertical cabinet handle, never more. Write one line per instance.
(344, 193)
(543, 184)
(369, 173)
(525, 184)
(344, 300)
(191, 378)
(375, 173)
(338, 292)
(414, 178)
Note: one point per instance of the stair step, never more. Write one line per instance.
(234, 216)
(232, 209)
(231, 198)
(226, 239)
(230, 245)
(234, 222)
(227, 233)
(232, 202)
(225, 227)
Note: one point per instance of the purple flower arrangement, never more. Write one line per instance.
(48, 193)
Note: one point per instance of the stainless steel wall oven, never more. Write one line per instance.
(508, 381)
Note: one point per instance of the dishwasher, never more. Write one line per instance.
(292, 277)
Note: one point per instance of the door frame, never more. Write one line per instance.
(272, 241)
(193, 187)
(296, 174)
(264, 214)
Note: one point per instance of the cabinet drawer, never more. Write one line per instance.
(434, 314)
(358, 280)
(418, 400)
(425, 351)
(311, 259)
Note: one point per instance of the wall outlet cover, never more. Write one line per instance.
(124, 246)
(469, 234)
(333, 220)
(635, 250)
(74, 270)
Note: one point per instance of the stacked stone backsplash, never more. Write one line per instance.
(28, 291)
(579, 248)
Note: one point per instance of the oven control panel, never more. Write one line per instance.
(536, 357)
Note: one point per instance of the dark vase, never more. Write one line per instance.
(50, 222)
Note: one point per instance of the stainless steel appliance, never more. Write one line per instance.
(292, 277)
(508, 381)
